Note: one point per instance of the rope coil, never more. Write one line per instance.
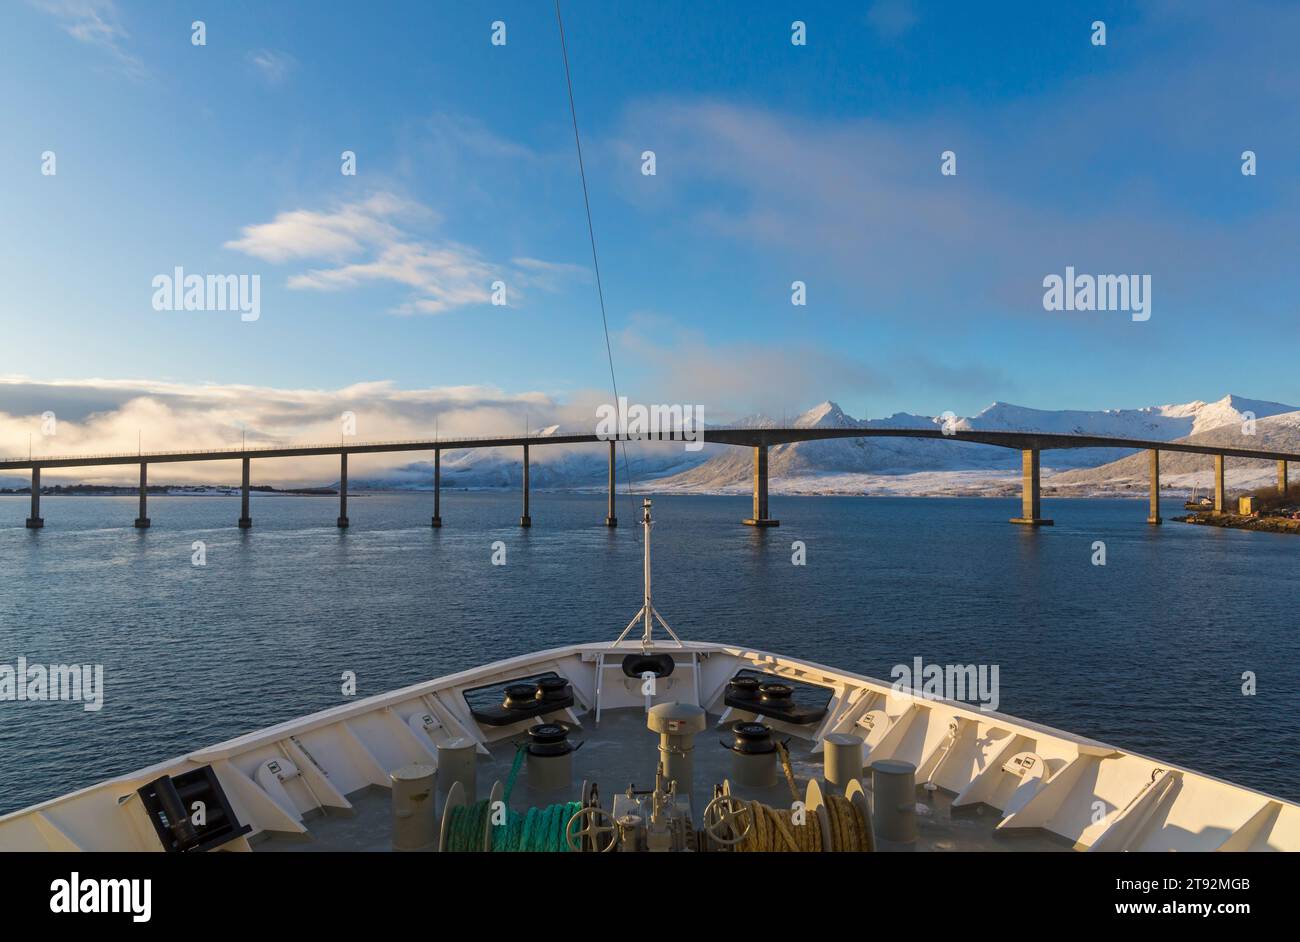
(774, 829)
(537, 830)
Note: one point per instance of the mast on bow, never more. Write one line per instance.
(647, 615)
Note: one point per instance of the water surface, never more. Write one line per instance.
(1146, 652)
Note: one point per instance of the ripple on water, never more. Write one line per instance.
(1146, 652)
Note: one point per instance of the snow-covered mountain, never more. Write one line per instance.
(843, 466)
(915, 466)
(1183, 472)
(1156, 422)
(883, 465)
(554, 467)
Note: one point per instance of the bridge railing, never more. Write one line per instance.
(252, 449)
(271, 448)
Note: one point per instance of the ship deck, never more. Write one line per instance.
(621, 751)
(1017, 785)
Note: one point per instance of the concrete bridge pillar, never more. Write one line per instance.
(1154, 516)
(1219, 495)
(525, 520)
(245, 521)
(437, 487)
(1030, 506)
(760, 518)
(142, 521)
(610, 519)
(1281, 476)
(343, 489)
(34, 522)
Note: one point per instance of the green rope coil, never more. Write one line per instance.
(538, 830)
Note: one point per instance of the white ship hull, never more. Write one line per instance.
(1089, 795)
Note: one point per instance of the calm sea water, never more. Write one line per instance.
(1146, 652)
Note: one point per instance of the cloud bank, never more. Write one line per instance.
(95, 416)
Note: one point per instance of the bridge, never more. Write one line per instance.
(1029, 444)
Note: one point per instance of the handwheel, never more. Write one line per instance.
(727, 813)
(586, 823)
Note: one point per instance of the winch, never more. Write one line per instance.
(753, 762)
(550, 757)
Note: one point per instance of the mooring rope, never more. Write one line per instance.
(537, 830)
(774, 830)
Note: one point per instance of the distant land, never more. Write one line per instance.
(866, 467)
(163, 490)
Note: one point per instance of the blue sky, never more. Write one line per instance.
(775, 163)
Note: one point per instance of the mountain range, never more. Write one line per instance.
(888, 466)
(902, 465)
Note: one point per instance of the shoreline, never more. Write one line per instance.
(167, 491)
(1230, 521)
(643, 490)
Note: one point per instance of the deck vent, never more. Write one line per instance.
(677, 725)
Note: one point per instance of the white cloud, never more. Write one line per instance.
(444, 277)
(98, 416)
(96, 23)
(366, 245)
(334, 235)
(273, 65)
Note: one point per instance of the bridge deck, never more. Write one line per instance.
(747, 437)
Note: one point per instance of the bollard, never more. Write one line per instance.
(842, 758)
(893, 786)
(458, 762)
(415, 826)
